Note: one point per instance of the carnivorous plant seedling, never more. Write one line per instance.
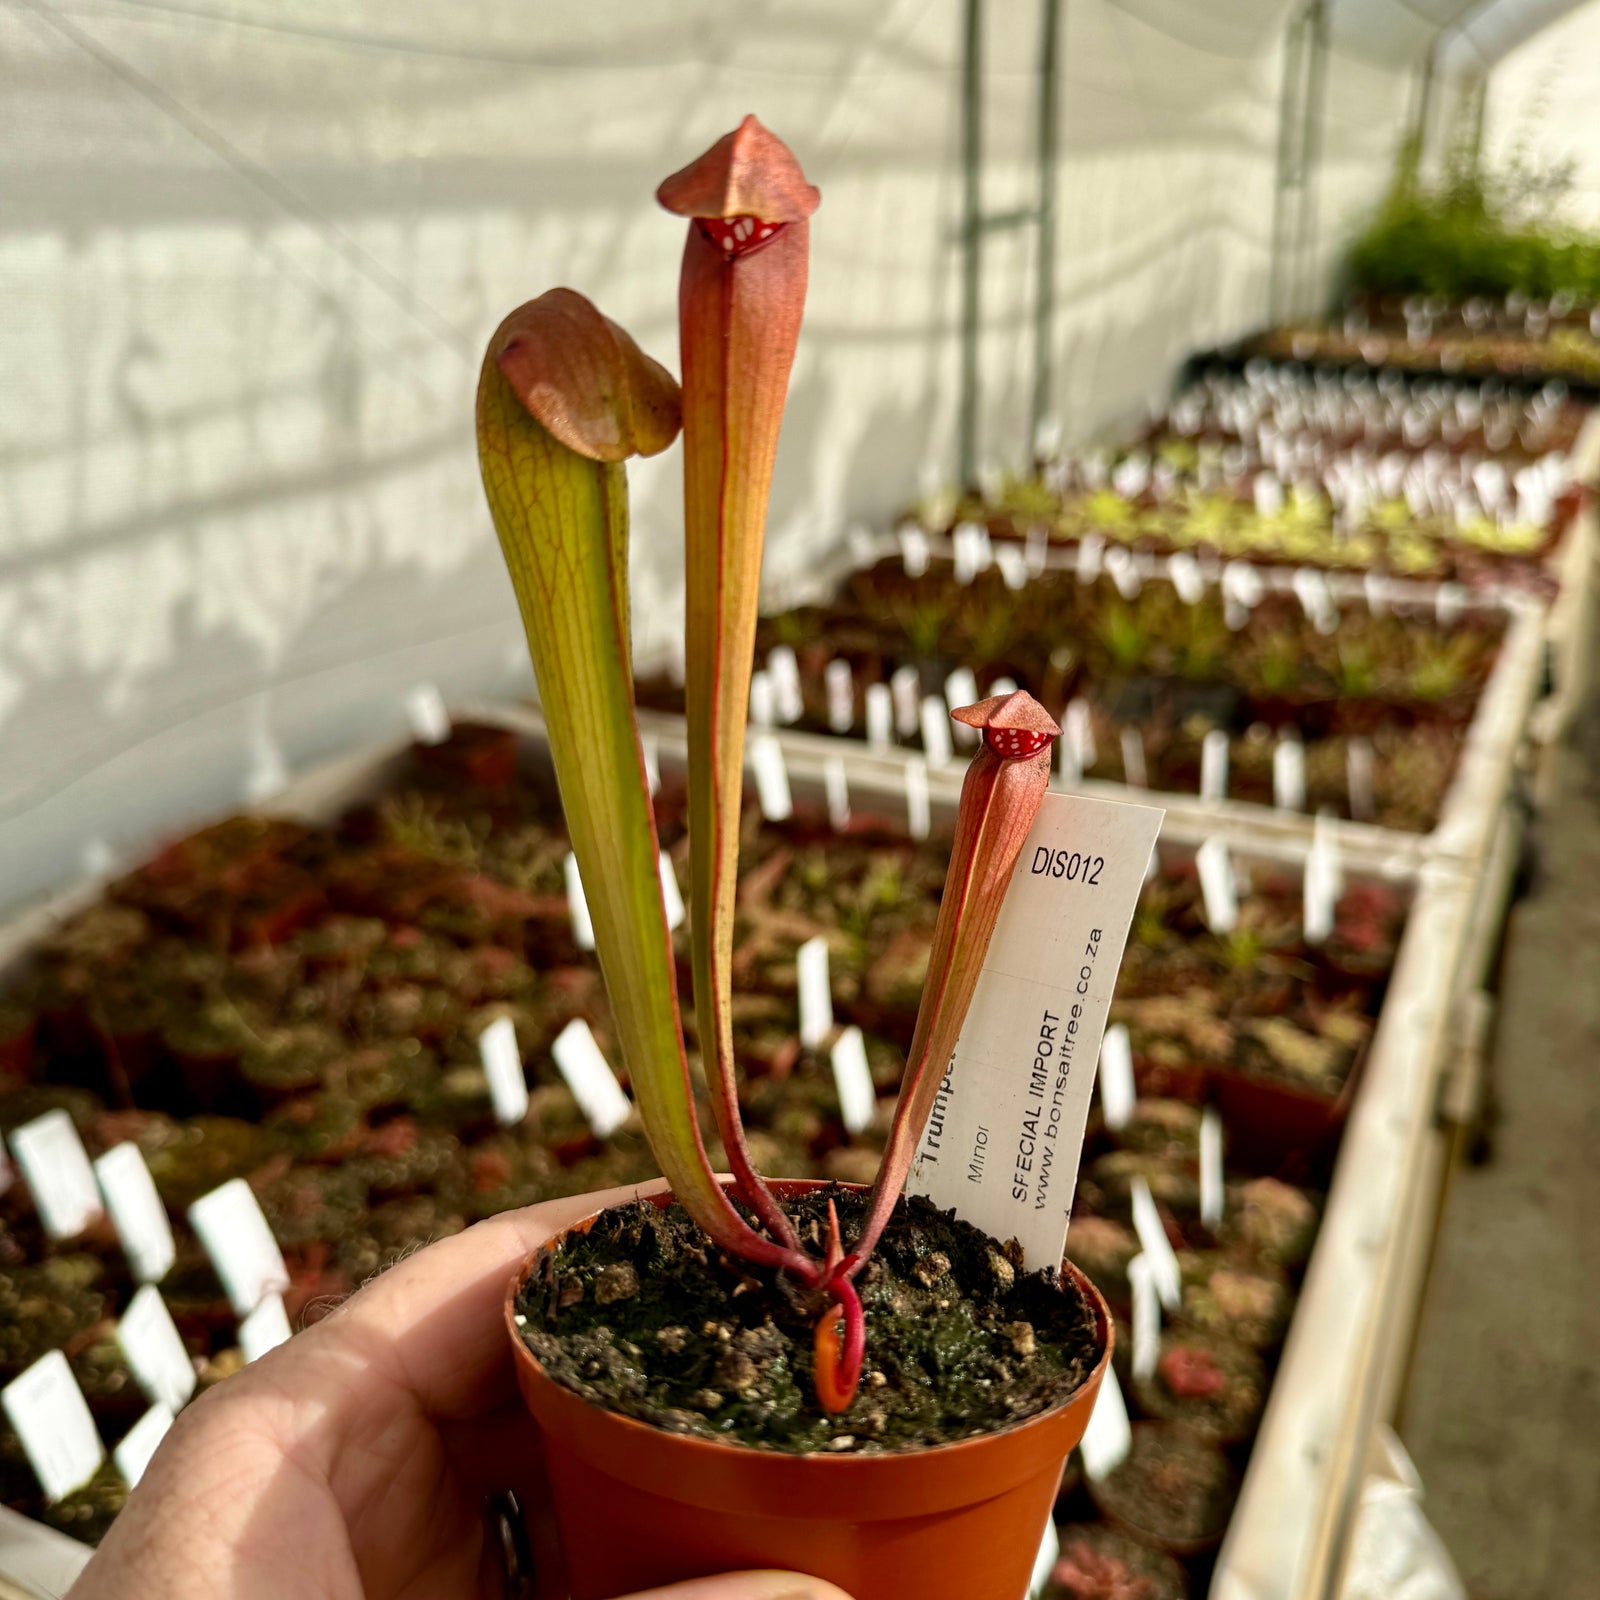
(565, 397)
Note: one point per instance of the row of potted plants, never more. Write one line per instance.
(310, 999)
(1378, 703)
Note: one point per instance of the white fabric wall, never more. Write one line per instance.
(249, 254)
(1542, 100)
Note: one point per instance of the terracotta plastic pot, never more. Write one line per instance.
(639, 1508)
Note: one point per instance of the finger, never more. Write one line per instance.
(748, 1586)
(432, 1325)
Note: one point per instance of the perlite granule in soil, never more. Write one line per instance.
(645, 1316)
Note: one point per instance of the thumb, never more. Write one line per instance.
(748, 1586)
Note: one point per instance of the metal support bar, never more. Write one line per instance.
(971, 244)
(1044, 298)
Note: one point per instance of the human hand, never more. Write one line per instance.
(353, 1462)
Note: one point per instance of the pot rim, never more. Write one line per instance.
(840, 1465)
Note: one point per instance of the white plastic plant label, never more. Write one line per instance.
(1449, 602)
(141, 1442)
(913, 549)
(816, 993)
(838, 683)
(1242, 590)
(919, 808)
(935, 721)
(671, 894)
(1359, 780)
(239, 1241)
(650, 754)
(1013, 567)
(1091, 557)
(1068, 768)
(1003, 1140)
(430, 722)
(966, 551)
(588, 1075)
(56, 1168)
(783, 673)
(1078, 728)
(51, 1417)
(852, 1077)
(1289, 774)
(154, 1351)
(1186, 578)
(136, 1210)
(1322, 885)
(1146, 1317)
(502, 1066)
(267, 772)
(577, 904)
(961, 689)
(1109, 1437)
(265, 1328)
(1003, 686)
(772, 777)
(763, 701)
(1211, 1184)
(905, 691)
(1124, 571)
(1134, 771)
(1156, 1246)
(1036, 550)
(1268, 495)
(836, 786)
(880, 717)
(1218, 888)
(1044, 1564)
(1214, 766)
(1117, 1090)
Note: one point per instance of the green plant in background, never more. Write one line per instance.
(565, 397)
(1476, 231)
(1122, 635)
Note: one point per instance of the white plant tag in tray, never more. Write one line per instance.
(1002, 1143)
(1217, 885)
(56, 1168)
(1449, 602)
(1134, 771)
(880, 717)
(1186, 577)
(51, 1417)
(1214, 766)
(1036, 550)
(1124, 569)
(1091, 557)
(816, 994)
(783, 672)
(905, 689)
(839, 685)
(1013, 567)
(772, 777)
(935, 721)
(1211, 1184)
(1117, 1089)
(588, 1075)
(1324, 882)
(1044, 1564)
(577, 904)
(967, 549)
(1078, 727)
(763, 701)
(265, 1328)
(961, 689)
(852, 1077)
(1157, 1247)
(151, 1344)
(671, 894)
(836, 786)
(919, 809)
(136, 1210)
(502, 1066)
(1108, 1438)
(1146, 1316)
(141, 1442)
(239, 1241)
(913, 549)
(1358, 775)
(1289, 774)
(425, 711)
(650, 754)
